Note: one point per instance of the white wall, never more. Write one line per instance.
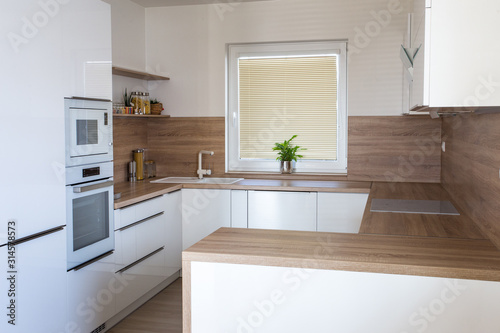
(188, 43)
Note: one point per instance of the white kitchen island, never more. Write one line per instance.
(238, 280)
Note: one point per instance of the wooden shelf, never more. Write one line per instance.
(140, 116)
(137, 75)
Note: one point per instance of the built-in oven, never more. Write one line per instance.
(89, 207)
(89, 134)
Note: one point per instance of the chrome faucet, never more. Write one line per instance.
(200, 170)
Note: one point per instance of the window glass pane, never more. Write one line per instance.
(283, 96)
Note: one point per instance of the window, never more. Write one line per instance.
(277, 90)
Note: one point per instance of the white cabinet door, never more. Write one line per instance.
(87, 48)
(173, 245)
(92, 294)
(239, 209)
(38, 289)
(458, 63)
(341, 212)
(282, 210)
(203, 212)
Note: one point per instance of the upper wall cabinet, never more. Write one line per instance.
(87, 49)
(457, 65)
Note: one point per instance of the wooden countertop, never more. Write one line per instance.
(426, 225)
(422, 256)
(142, 190)
(136, 192)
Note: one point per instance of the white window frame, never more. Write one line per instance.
(236, 51)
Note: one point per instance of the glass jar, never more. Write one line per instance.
(135, 101)
(147, 105)
(149, 169)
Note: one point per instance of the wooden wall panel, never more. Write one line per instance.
(470, 168)
(394, 149)
(128, 134)
(175, 143)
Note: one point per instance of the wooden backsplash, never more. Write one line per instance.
(128, 134)
(380, 148)
(394, 149)
(175, 144)
(470, 168)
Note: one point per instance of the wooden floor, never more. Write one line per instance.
(163, 313)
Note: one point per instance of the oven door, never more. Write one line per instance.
(90, 224)
(88, 135)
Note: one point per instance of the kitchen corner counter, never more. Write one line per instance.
(423, 225)
(132, 193)
(421, 256)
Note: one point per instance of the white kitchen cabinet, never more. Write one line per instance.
(92, 292)
(140, 277)
(39, 288)
(203, 212)
(87, 49)
(282, 210)
(239, 209)
(457, 64)
(340, 212)
(140, 241)
(173, 253)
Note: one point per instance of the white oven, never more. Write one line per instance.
(89, 134)
(89, 207)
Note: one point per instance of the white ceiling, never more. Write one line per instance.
(164, 3)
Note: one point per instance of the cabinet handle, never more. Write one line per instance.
(91, 261)
(140, 260)
(81, 189)
(141, 221)
(34, 236)
(90, 99)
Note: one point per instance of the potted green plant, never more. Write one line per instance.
(286, 154)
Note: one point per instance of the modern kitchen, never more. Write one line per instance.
(259, 165)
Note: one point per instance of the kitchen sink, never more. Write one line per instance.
(195, 180)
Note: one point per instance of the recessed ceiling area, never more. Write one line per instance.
(166, 3)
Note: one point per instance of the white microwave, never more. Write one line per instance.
(89, 131)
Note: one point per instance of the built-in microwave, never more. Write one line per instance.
(89, 131)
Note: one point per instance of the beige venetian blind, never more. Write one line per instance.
(280, 97)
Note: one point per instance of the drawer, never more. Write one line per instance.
(141, 277)
(139, 211)
(137, 240)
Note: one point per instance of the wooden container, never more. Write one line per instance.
(156, 108)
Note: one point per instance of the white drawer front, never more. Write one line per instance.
(137, 212)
